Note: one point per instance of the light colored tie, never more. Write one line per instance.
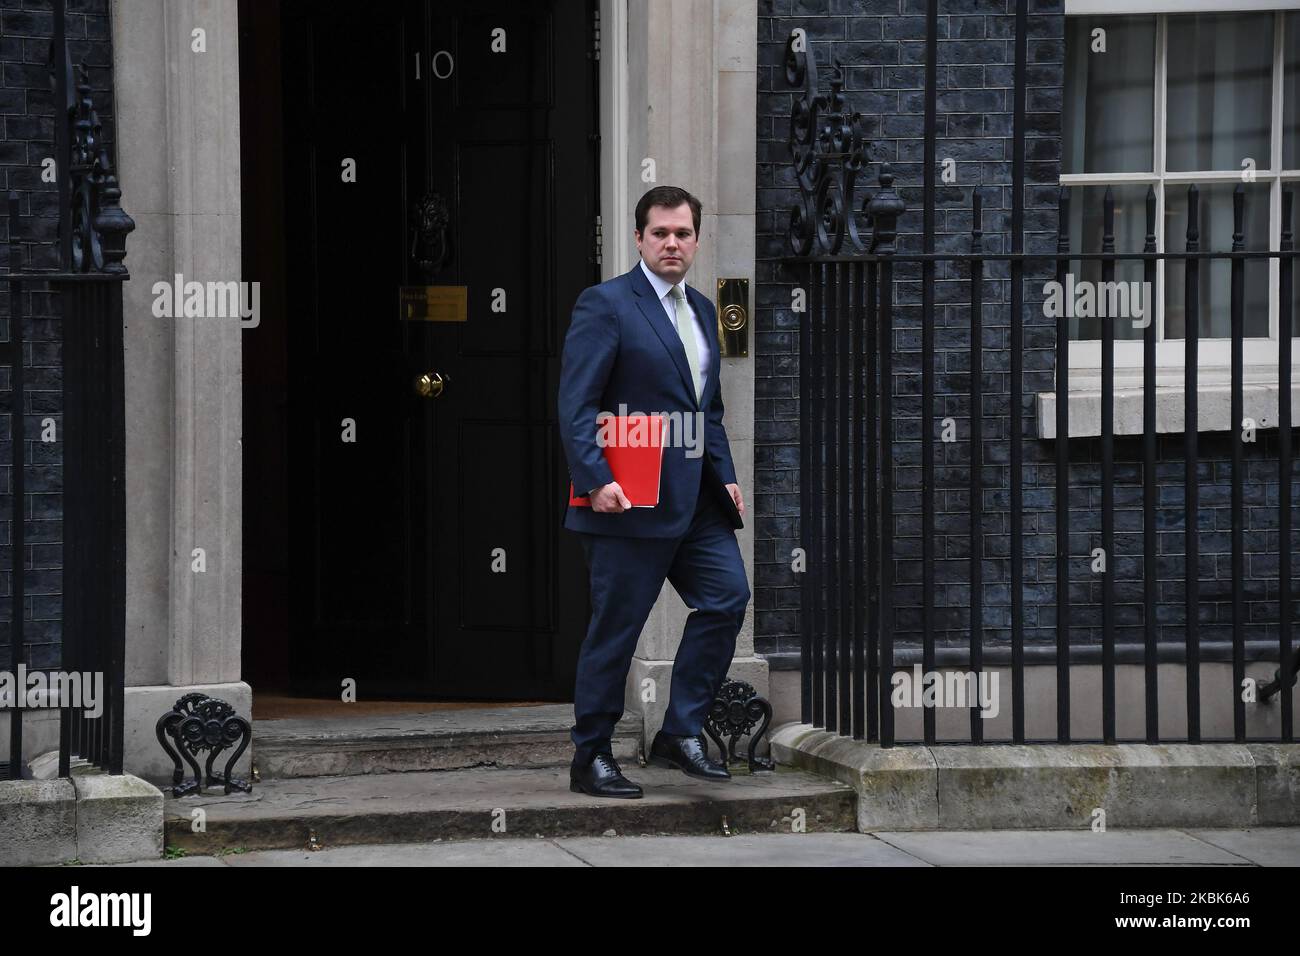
(686, 331)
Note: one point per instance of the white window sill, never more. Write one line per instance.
(1214, 406)
(1075, 8)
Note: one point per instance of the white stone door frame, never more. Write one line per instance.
(178, 135)
(177, 115)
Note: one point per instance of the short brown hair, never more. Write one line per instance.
(670, 197)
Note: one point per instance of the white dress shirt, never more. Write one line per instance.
(662, 288)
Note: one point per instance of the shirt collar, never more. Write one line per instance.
(659, 284)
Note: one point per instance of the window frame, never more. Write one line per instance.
(1260, 355)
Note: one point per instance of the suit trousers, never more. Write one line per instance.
(705, 568)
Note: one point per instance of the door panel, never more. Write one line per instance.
(428, 560)
(518, 151)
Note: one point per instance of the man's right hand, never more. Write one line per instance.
(609, 498)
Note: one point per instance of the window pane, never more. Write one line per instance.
(1086, 224)
(1220, 68)
(1291, 94)
(1215, 317)
(1108, 124)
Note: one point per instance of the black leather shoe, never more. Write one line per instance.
(602, 778)
(686, 754)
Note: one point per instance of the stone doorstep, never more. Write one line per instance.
(964, 787)
(438, 740)
(92, 816)
(119, 818)
(424, 806)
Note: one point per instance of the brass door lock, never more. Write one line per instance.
(733, 316)
(431, 384)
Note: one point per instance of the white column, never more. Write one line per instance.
(177, 109)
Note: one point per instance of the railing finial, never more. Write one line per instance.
(98, 224)
(884, 208)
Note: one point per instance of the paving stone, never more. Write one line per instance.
(784, 849)
(1060, 848)
(1265, 846)
(502, 852)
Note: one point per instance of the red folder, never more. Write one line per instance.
(635, 453)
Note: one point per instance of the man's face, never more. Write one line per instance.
(669, 242)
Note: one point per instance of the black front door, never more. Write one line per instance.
(434, 144)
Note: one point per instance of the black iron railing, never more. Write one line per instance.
(852, 456)
(92, 245)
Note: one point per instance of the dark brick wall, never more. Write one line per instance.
(881, 46)
(26, 139)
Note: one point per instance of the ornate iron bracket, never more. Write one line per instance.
(197, 723)
(737, 708)
(828, 152)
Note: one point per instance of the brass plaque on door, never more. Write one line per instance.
(433, 303)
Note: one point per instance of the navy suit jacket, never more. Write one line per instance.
(621, 348)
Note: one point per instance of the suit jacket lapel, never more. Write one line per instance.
(651, 308)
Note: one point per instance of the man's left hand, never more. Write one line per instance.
(734, 491)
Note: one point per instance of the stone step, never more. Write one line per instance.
(424, 806)
(532, 736)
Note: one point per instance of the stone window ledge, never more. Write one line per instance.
(1214, 405)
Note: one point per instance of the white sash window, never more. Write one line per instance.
(1184, 92)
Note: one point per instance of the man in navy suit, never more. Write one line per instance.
(647, 342)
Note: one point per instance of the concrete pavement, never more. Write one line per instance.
(1278, 846)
